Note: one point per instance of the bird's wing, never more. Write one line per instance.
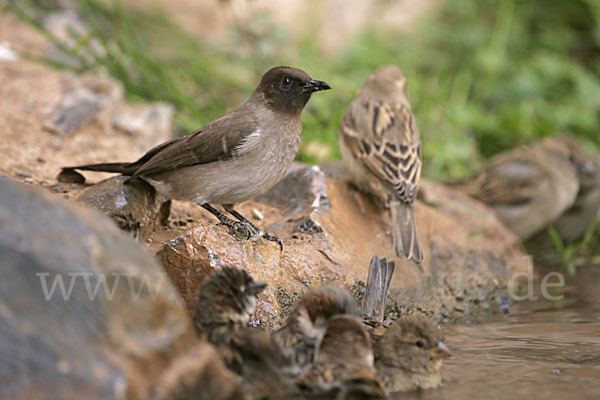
(216, 141)
(513, 178)
(385, 138)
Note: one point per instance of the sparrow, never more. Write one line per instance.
(307, 323)
(226, 302)
(343, 365)
(409, 354)
(574, 222)
(380, 145)
(225, 305)
(530, 187)
(233, 158)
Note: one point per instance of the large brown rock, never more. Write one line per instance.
(85, 311)
(330, 231)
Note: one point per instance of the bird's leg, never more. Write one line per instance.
(264, 234)
(237, 226)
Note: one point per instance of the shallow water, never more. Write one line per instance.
(541, 349)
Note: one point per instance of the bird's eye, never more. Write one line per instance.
(420, 343)
(286, 83)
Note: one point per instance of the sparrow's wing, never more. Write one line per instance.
(216, 141)
(375, 285)
(378, 286)
(385, 138)
(513, 178)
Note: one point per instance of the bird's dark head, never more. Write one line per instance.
(287, 89)
(412, 344)
(228, 297)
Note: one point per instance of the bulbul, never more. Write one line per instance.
(307, 323)
(409, 354)
(574, 222)
(530, 187)
(233, 158)
(380, 144)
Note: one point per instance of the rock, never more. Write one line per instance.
(85, 311)
(330, 232)
(133, 204)
(84, 100)
(93, 122)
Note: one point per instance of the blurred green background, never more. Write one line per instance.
(484, 76)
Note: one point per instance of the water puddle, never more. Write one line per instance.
(541, 349)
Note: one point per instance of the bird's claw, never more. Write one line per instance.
(273, 238)
(241, 229)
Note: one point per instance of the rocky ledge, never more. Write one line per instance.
(330, 231)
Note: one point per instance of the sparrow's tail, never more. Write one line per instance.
(378, 287)
(406, 242)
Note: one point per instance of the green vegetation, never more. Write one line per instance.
(581, 252)
(484, 75)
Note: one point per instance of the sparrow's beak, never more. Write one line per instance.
(256, 287)
(588, 168)
(315, 86)
(440, 352)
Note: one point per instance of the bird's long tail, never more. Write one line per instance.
(378, 286)
(69, 174)
(120, 168)
(406, 242)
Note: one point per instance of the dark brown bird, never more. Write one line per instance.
(233, 158)
(380, 144)
(409, 354)
(308, 321)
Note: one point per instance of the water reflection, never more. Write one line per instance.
(541, 349)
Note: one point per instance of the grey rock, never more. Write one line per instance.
(85, 311)
(132, 203)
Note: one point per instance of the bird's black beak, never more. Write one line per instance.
(315, 86)
(256, 287)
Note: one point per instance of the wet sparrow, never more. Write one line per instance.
(343, 366)
(409, 354)
(308, 321)
(380, 144)
(226, 302)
